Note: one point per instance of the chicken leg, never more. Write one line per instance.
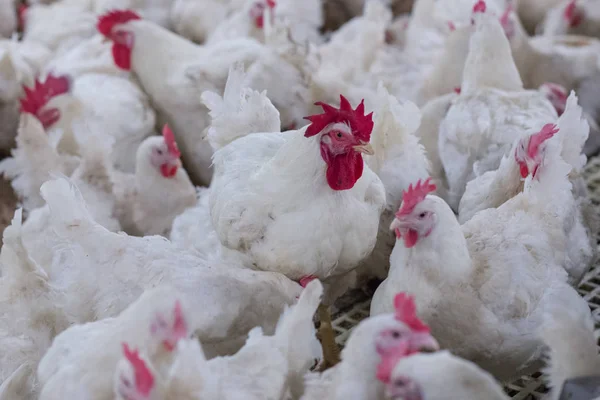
(326, 334)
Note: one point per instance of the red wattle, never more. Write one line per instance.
(168, 170)
(411, 238)
(122, 56)
(343, 170)
(524, 170)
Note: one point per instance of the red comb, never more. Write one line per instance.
(144, 380)
(389, 361)
(107, 21)
(170, 141)
(572, 15)
(39, 95)
(361, 124)
(406, 312)
(180, 325)
(479, 7)
(537, 139)
(414, 195)
(457, 90)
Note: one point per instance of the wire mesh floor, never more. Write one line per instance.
(527, 387)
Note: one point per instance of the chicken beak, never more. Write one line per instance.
(365, 148)
(424, 343)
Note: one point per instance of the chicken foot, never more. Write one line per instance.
(326, 334)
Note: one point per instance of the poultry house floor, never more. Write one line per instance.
(354, 306)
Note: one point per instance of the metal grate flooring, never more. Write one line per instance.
(527, 387)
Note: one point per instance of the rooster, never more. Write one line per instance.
(313, 178)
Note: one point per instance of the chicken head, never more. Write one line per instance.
(169, 333)
(415, 218)
(109, 25)
(134, 380)
(530, 150)
(557, 95)
(344, 135)
(165, 154)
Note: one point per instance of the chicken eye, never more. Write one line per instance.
(395, 334)
(339, 134)
(400, 383)
(422, 215)
(159, 151)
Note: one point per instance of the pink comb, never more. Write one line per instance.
(180, 325)
(40, 94)
(406, 312)
(107, 21)
(361, 124)
(479, 7)
(389, 361)
(572, 15)
(170, 141)
(144, 380)
(537, 139)
(414, 195)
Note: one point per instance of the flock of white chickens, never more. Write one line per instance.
(439, 151)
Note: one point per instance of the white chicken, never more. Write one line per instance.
(190, 19)
(440, 375)
(573, 17)
(160, 189)
(328, 189)
(359, 373)
(267, 367)
(494, 188)
(58, 26)
(563, 59)
(100, 99)
(156, 322)
(337, 177)
(491, 110)
(32, 162)
(31, 315)
(504, 266)
(572, 352)
(399, 160)
(114, 269)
